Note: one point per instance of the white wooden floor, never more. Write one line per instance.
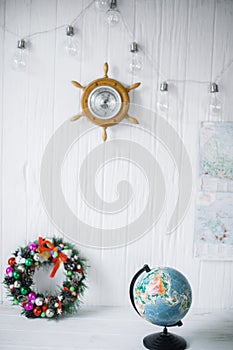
(110, 328)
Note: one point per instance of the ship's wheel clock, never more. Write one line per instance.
(105, 102)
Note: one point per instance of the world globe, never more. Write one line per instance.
(163, 296)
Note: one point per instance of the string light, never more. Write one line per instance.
(163, 103)
(102, 5)
(136, 58)
(71, 45)
(215, 104)
(19, 59)
(113, 15)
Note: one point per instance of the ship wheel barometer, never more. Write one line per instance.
(105, 102)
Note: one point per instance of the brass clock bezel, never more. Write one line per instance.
(125, 101)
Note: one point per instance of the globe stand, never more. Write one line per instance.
(164, 341)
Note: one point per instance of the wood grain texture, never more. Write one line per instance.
(111, 328)
(2, 40)
(185, 42)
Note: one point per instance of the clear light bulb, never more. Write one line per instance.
(136, 58)
(215, 104)
(102, 5)
(71, 44)
(113, 15)
(19, 59)
(163, 103)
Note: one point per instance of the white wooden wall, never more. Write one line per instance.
(187, 42)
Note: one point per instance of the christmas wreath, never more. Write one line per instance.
(22, 266)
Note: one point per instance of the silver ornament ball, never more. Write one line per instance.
(36, 257)
(22, 298)
(21, 268)
(49, 313)
(39, 301)
(17, 284)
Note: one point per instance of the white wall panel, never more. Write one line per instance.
(14, 134)
(2, 40)
(187, 43)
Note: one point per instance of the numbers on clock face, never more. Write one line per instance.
(104, 102)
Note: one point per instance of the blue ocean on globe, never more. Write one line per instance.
(163, 297)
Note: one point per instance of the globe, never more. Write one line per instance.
(163, 296)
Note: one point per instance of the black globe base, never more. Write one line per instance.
(164, 341)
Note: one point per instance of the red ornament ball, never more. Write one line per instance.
(37, 311)
(44, 308)
(11, 261)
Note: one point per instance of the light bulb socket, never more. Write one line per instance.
(134, 47)
(113, 4)
(163, 86)
(213, 87)
(21, 44)
(69, 31)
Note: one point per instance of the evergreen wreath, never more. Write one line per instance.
(22, 266)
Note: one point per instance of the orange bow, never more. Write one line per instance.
(51, 250)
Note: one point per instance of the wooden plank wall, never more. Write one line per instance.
(188, 43)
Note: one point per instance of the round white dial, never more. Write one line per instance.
(104, 102)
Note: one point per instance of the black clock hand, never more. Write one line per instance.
(107, 98)
(105, 103)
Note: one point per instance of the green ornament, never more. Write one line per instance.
(66, 247)
(29, 262)
(15, 302)
(69, 273)
(42, 314)
(24, 291)
(55, 254)
(16, 274)
(72, 289)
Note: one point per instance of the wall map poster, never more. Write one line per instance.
(214, 225)
(214, 214)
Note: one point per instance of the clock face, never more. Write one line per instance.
(104, 102)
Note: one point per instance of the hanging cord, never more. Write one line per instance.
(133, 34)
(131, 38)
(151, 60)
(53, 29)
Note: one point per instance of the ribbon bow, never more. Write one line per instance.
(47, 249)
